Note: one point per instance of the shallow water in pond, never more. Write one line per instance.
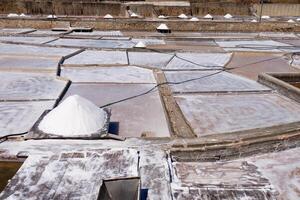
(7, 171)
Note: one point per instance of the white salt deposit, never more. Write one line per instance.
(133, 15)
(162, 27)
(162, 17)
(208, 16)
(140, 44)
(265, 17)
(194, 19)
(291, 21)
(51, 17)
(22, 15)
(228, 16)
(298, 19)
(75, 116)
(182, 16)
(12, 15)
(254, 20)
(108, 16)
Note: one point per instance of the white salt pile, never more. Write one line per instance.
(22, 15)
(162, 17)
(265, 17)
(108, 16)
(291, 21)
(140, 44)
(228, 16)
(162, 27)
(182, 16)
(133, 15)
(12, 15)
(194, 19)
(51, 17)
(75, 116)
(254, 20)
(208, 16)
(298, 19)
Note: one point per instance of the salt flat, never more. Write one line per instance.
(129, 74)
(215, 114)
(26, 40)
(149, 59)
(186, 61)
(211, 81)
(98, 58)
(18, 117)
(30, 86)
(89, 43)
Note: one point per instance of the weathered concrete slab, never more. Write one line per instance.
(187, 61)
(251, 64)
(26, 40)
(211, 81)
(253, 45)
(98, 58)
(155, 174)
(130, 74)
(30, 86)
(149, 59)
(14, 49)
(142, 115)
(215, 114)
(231, 174)
(89, 43)
(12, 62)
(282, 170)
(70, 175)
(18, 117)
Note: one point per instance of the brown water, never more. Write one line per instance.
(7, 171)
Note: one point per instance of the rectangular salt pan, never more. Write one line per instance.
(216, 114)
(18, 117)
(211, 81)
(130, 74)
(98, 58)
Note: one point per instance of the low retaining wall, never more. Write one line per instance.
(150, 25)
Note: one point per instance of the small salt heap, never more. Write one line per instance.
(108, 16)
(12, 15)
(298, 19)
(51, 17)
(162, 17)
(23, 15)
(133, 15)
(227, 16)
(182, 16)
(75, 116)
(253, 20)
(194, 19)
(208, 16)
(265, 17)
(163, 28)
(291, 21)
(140, 44)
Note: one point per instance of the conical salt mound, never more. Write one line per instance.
(75, 116)
(140, 44)
(133, 15)
(182, 16)
(253, 20)
(108, 16)
(291, 21)
(162, 27)
(265, 17)
(208, 16)
(162, 17)
(228, 16)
